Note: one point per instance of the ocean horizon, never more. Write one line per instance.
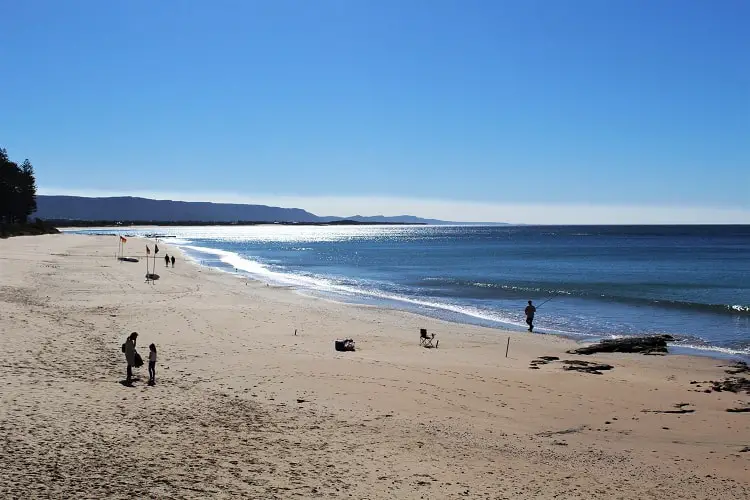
(589, 282)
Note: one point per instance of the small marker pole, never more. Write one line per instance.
(507, 347)
(295, 332)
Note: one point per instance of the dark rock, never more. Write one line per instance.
(577, 362)
(647, 345)
(542, 360)
(585, 366)
(572, 430)
(739, 410)
(732, 384)
(679, 409)
(739, 367)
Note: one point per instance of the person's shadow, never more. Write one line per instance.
(131, 383)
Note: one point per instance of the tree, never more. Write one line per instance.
(17, 190)
(28, 189)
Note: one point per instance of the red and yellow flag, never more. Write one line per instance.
(123, 239)
(148, 250)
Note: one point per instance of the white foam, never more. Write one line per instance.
(177, 241)
(713, 349)
(326, 285)
(320, 284)
(235, 260)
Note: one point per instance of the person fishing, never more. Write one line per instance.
(530, 311)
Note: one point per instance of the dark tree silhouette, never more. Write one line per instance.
(28, 189)
(17, 190)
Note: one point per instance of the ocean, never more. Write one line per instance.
(589, 282)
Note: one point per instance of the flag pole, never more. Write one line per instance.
(147, 276)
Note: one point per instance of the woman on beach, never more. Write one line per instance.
(152, 365)
(129, 350)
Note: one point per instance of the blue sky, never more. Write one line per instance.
(529, 111)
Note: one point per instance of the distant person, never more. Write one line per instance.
(530, 311)
(166, 260)
(173, 261)
(129, 349)
(152, 364)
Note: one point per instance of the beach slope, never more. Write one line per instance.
(243, 407)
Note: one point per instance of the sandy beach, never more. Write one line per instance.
(244, 408)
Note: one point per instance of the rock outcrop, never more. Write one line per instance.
(651, 344)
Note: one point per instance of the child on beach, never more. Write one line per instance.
(152, 365)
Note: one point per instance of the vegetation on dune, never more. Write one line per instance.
(18, 199)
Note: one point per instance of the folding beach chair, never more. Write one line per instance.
(427, 340)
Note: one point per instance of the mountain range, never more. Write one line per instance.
(126, 208)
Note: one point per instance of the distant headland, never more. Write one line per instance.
(82, 211)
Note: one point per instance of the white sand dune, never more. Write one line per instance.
(243, 408)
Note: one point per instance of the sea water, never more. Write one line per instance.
(588, 282)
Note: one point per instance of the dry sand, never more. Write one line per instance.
(244, 408)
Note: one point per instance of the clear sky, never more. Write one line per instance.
(524, 111)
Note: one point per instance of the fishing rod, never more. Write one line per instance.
(540, 305)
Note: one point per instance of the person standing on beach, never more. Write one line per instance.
(530, 311)
(173, 261)
(152, 364)
(166, 259)
(129, 349)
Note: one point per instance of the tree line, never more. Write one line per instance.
(17, 190)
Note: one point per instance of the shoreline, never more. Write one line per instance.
(244, 407)
(460, 313)
(709, 351)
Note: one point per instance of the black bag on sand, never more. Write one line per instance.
(137, 361)
(344, 345)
